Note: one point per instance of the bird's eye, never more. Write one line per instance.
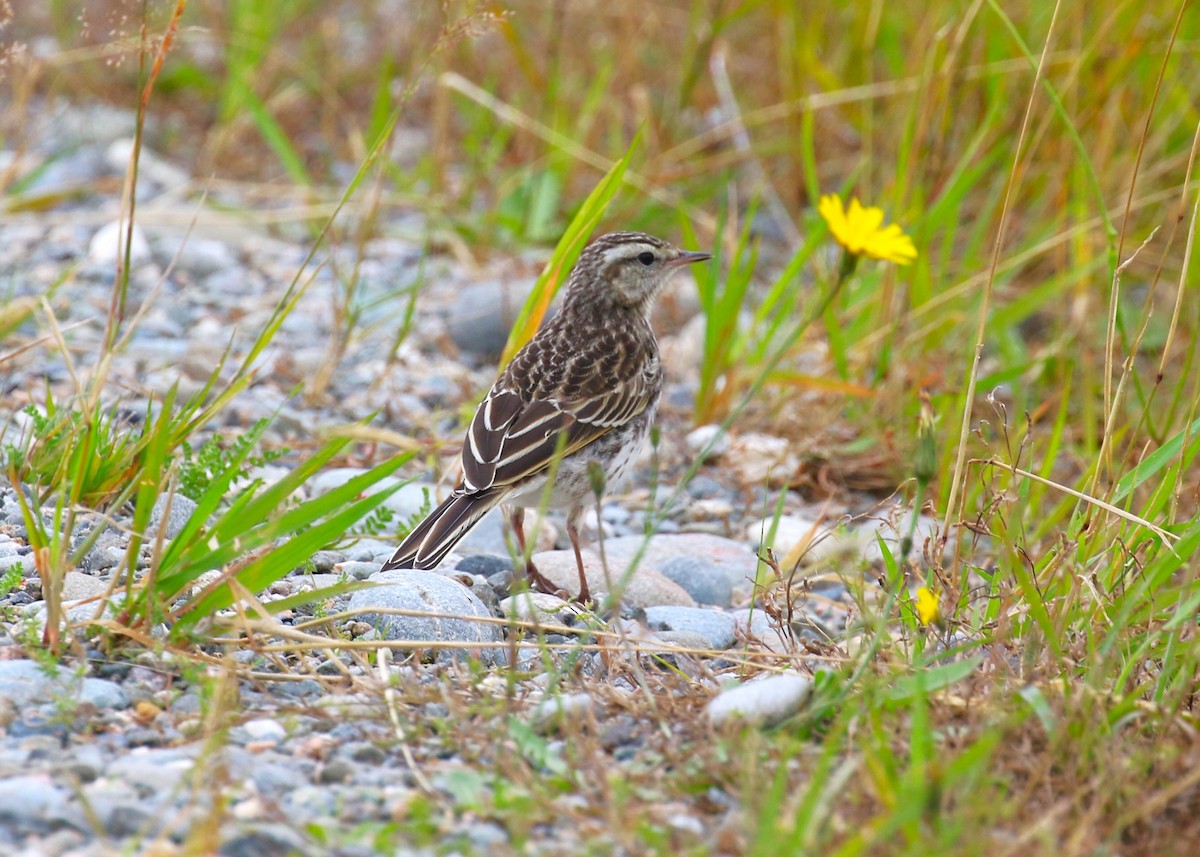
(646, 258)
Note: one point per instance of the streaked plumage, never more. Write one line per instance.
(585, 388)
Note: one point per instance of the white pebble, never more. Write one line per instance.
(107, 245)
(764, 702)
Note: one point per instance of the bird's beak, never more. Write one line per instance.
(687, 257)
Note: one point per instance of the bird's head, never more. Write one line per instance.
(632, 266)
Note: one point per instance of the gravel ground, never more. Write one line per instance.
(102, 754)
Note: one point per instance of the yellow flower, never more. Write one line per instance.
(858, 230)
(929, 606)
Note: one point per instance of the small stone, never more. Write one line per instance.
(644, 587)
(177, 509)
(198, 256)
(265, 729)
(540, 608)
(335, 771)
(325, 560)
(356, 570)
(717, 628)
(764, 702)
(755, 622)
(821, 541)
(705, 581)
(151, 770)
(422, 592)
(760, 459)
(25, 801)
(146, 712)
(24, 682)
(78, 586)
(553, 713)
(108, 244)
(485, 564)
(484, 313)
(683, 639)
(266, 840)
(710, 441)
(734, 560)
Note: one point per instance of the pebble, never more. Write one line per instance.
(25, 800)
(428, 593)
(485, 565)
(77, 586)
(763, 702)
(177, 509)
(554, 713)
(760, 459)
(706, 581)
(755, 622)
(708, 440)
(109, 243)
(483, 315)
(715, 627)
(24, 682)
(264, 729)
(734, 560)
(540, 608)
(356, 570)
(644, 588)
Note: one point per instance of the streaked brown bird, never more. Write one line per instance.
(584, 389)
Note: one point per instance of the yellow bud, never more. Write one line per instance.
(929, 606)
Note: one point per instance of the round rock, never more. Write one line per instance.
(643, 588)
(765, 702)
(705, 581)
(717, 628)
(421, 592)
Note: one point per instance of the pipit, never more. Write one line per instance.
(584, 389)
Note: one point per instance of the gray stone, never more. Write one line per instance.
(557, 711)
(485, 564)
(422, 592)
(181, 510)
(708, 440)
(643, 588)
(717, 628)
(25, 801)
(755, 622)
(266, 840)
(356, 570)
(484, 313)
(764, 702)
(683, 639)
(325, 560)
(78, 586)
(705, 581)
(732, 559)
(198, 256)
(151, 771)
(540, 608)
(24, 683)
(80, 613)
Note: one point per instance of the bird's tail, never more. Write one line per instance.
(430, 541)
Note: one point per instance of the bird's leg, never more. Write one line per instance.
(573, 533)
(536, 579)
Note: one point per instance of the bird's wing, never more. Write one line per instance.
(520, 428)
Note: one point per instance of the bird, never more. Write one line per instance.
(580, 395)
